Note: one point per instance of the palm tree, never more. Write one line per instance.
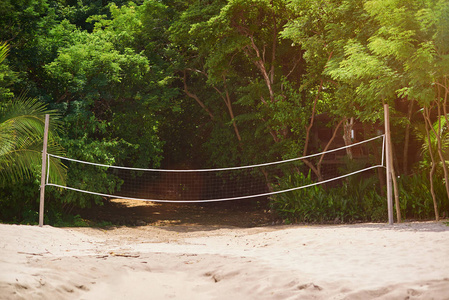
(22, 123)
(21, 134)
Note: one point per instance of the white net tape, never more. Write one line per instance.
(212, 185)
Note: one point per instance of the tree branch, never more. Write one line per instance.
(195, 96)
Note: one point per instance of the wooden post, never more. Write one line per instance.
(388, 161)
(44, 169)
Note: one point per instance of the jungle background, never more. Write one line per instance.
(199, 84)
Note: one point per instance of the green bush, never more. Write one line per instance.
(355, 200)
(19, 202)
(415, 198)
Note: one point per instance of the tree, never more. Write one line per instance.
(243, 76)
(104, 81)
(318, 28)
(404, 57)
(21, 135)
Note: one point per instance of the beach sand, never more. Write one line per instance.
(361, 261)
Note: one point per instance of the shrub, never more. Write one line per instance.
(355, 200)
(415, 197)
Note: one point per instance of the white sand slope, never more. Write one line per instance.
(367, 261)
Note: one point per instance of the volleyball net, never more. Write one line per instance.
(226, 184)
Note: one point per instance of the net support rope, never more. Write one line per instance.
(381, 165)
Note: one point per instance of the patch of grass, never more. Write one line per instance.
(71, 221)
(78, 221)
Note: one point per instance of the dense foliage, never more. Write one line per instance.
(218, 83)
(356, 199)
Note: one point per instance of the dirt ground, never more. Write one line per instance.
(248, 213)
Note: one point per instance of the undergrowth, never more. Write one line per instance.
(356, 199)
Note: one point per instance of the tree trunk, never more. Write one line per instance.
(440, 147)
(259, 62)
(226, 99)
(228, 103)
(334, 134)
(312, 119)
(306, 143)
(347, 136)
(446, 94)
(396, 195)
(444, 86)
(267, 180)
(407, 138)
(432, 171)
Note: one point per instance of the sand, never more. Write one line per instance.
(364, 261)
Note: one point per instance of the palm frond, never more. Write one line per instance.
(27, 115)
(440, 128)
(4, 49)
(22, 125)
